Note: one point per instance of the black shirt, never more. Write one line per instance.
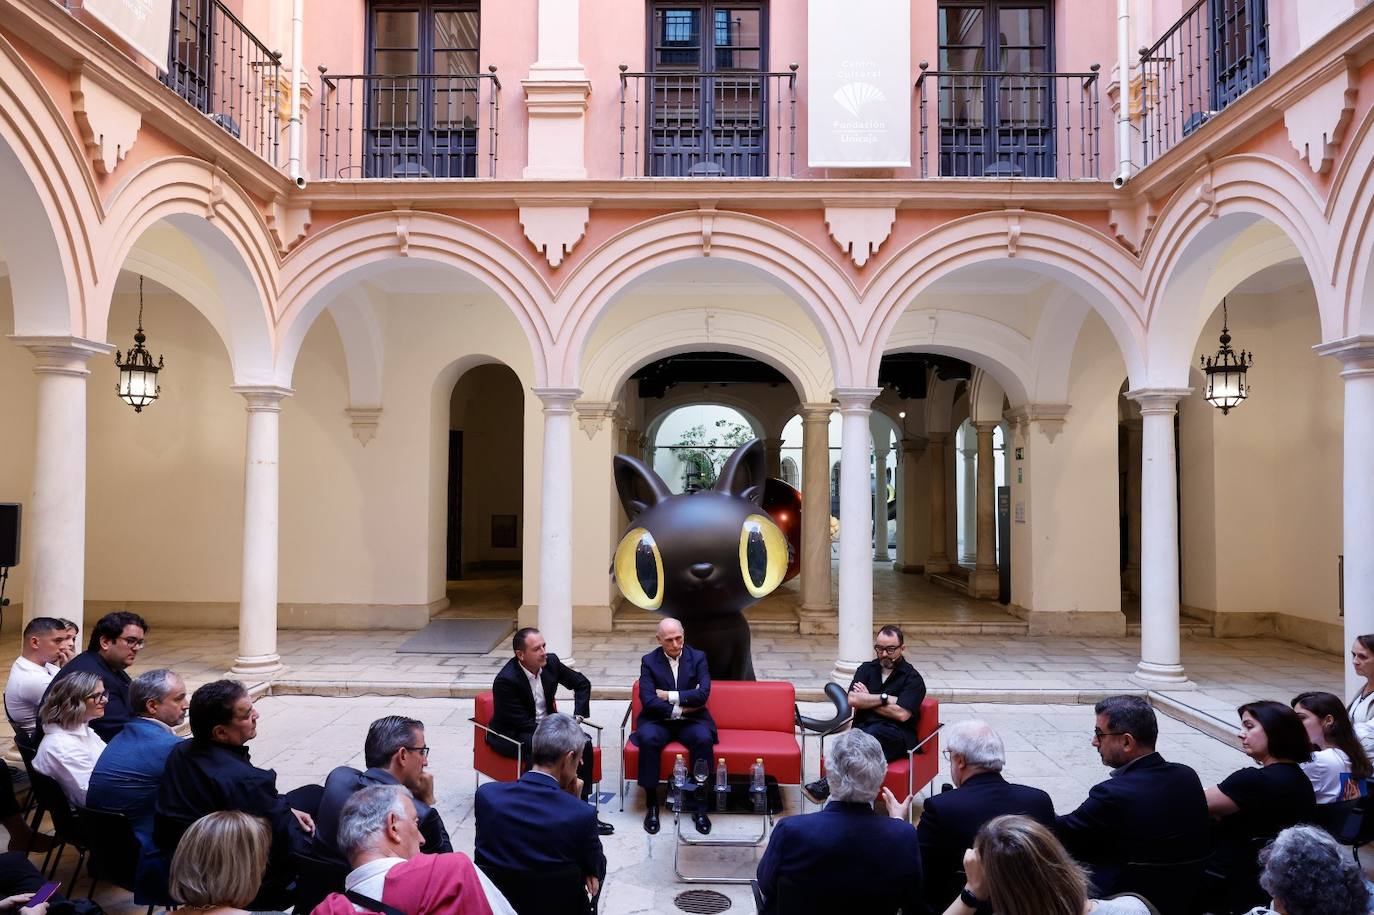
(905, 687)
(116, 687)
(1270, 798)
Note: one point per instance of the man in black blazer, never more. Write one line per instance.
(523, 695)
(950, 820)
(1149, 812)
(674, 684)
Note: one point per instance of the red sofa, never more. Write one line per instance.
(755, 719)
(907, 776)
(486, 761)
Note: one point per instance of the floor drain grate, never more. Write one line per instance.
(702, 902)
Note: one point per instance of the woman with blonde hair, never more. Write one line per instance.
(1018, 867)
(70, 748)
(218, 865)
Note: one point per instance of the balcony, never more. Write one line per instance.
(226, 73)
(999, 124)
(692, 124)
(1216, 53)
(408, 125)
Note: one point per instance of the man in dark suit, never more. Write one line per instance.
(537, 824)
(523, 696)
(116, 641)
(843, 858)
(950, 820)
(674, 684)
(1149, 812)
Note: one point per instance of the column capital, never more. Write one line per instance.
(558, 400)
(915, 445)
(592, 414)
(262, 398)
(1050, 417)
(856, 400)
(816, 412)
(1158, 400)
(58, 355)
(1356, 354)
(986, 426)
(937, 437)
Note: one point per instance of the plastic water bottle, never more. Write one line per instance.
(722, 785)
(679, 782)
(758, 786)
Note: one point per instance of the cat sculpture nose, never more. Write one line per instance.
(703, 570)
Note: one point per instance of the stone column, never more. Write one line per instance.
(910, 559)
(258, 589)
(1160, 660)
(983, 583)
(1357, 515)
(938, 558)
(880, 541)
(555, 522)
(856, 506)
(968, 466)
(772, 457)
(56, 514)
(817, 612)
(556, 94)
(1133, 462)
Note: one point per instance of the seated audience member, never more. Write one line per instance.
(33, 670)
(845, 844)
(1361, 707)
(220, 862)
(1149, 811)
(539, 822)
(1307, 873)
(127, 775)
(395, 754)
(378, 834)
(951, 819)
(1336, 751)
(19, 880)
(674, 686)
(1019, 868)
(116, 641)
(212, 772)
(886, 695)
(70, 748)
(69, 646)
(1254, 804)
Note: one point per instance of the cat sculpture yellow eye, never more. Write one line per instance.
(763, 555)
(639, 569)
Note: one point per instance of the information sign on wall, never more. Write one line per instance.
(859, 83)
(145, 24)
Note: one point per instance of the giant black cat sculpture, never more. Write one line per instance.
(703, 557)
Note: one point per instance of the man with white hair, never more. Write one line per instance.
(843, 857)
(951, 819)
(379, 833)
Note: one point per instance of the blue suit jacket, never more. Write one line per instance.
(844, 847)
(532, 824)
(693, 685)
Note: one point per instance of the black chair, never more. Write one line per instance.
(67, 829)
(316, 878)
(555, 891)
(114, 851)
(1172, 887)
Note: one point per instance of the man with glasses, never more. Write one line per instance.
(115, 643)
(886, 695)
(395, 754)
(1149, 813)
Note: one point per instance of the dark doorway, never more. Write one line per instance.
(454, 561)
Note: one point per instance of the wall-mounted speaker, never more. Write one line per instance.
(9, 534)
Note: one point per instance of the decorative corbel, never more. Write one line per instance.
(1206, 191)
(555, 229)
(215, 199)
(364, 421)
(708, 221)
(1013, 229)
(860, 229)
(403, 232)
(592, 415)
(107, 123)
(1318, 112)
(288, 223)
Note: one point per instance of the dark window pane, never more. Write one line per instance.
(961, 59)
(395, 62)
(456, 30)
(455, 63)
(961, 25)
(678, 36)
(1021, 26)
(393, 29)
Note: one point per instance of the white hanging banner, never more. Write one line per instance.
(145, 24)
(859, 83)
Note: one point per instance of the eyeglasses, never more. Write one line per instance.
(1098, 734)
(423, 751)
(887, 649)
(99, 697)
(133, 642)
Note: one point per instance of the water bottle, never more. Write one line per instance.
(679, 782)
(758, 787)
(722, 785)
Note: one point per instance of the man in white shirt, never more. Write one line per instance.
(380, 834)
(44, 640)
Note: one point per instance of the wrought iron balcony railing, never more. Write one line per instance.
(687, 124)
(408, 125)
(222, 69)
(1212, 56)
(998, 124)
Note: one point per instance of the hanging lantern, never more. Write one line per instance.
(1226, 384)
(138, 385)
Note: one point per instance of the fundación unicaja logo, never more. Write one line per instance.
(856, 96)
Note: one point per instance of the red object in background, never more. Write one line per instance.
(783, 503)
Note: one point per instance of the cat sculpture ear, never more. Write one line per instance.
(744, 473)
(639, 486)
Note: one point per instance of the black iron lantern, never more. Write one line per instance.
(138, 385)
(1226, 382)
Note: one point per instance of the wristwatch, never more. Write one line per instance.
(884, 697)
(969, 899)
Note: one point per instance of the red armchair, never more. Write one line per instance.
(922, 763)
(486, 761)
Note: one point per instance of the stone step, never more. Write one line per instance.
(1187, 626)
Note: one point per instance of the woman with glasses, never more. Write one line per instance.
(70, 748)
